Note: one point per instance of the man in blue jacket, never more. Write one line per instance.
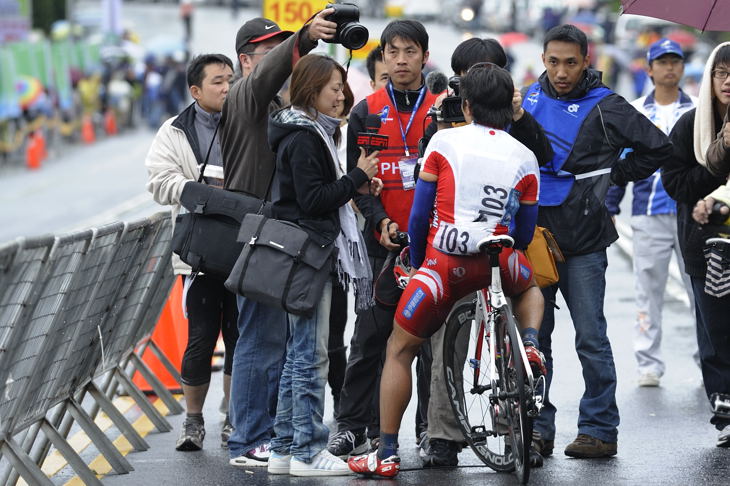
(588, 126)
(654, 213)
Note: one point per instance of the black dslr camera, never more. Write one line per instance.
(350, 32)
(450, 111)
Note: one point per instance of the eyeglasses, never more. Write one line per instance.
(717, 74)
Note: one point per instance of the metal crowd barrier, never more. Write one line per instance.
(75, 311)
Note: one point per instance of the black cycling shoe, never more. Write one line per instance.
(535, 458)
(442, 453)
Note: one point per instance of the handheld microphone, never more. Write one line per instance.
(370, 139)
(437, 82)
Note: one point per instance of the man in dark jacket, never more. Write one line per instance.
(588, 126)
(266, 55)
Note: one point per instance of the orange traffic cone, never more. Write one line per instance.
(87, 130)
(42, 150)
(110, 122)
(171, 336)
(32, 155)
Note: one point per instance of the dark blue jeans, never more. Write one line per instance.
(257, 366)
(713, 338)
(583, 285)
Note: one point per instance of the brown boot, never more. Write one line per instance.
(584, 446)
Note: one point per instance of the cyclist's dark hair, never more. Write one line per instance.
(475, 50)
(567, 33)
(722, 56)
(489, 91)
(196, 67)
(411, 30)
(374, 56)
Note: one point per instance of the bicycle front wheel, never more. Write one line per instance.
(517, 390)
(467, 373)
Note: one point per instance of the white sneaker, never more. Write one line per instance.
(323, 464)
(258, 457)
(648, 379)
(279, 463)
(723, 440)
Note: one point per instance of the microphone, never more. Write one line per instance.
(437, 82)
(370, 139)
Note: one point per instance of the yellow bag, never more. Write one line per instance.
(543, 252)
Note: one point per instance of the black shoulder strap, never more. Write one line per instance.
(205, 162)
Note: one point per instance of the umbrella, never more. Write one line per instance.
(29, 90)
(511, 38)
(700, 14)
(682, 37)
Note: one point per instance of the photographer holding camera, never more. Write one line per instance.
(267, 56)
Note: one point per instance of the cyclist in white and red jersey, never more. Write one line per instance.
(476, 181)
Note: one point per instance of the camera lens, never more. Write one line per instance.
(354, 36)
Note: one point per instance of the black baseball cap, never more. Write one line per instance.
(257, 30)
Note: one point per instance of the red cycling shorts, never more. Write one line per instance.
(444, 279)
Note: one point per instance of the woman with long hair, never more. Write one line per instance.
(312, 189)
(688, 180)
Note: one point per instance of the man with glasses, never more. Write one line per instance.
(654, 214)
(266, 55)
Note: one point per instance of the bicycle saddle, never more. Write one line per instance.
(504, 241)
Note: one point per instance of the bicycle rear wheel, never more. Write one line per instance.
(517, 389)
(467, 373)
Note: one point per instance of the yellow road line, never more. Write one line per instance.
(142, 425)
(80, 441)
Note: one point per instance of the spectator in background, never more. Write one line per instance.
(654, 219)
(186, 15)
(689, 181)
(175, 157)
(377, 70)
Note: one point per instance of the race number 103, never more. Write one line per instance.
(291, 14)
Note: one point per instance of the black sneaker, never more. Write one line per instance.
(226, 432)
(191, 435)
(348, 443)
(442, 453)
(542, 446)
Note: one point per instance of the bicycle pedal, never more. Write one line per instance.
(720, 404)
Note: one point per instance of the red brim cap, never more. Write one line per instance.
(270, 35)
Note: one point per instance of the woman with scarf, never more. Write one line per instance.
(312, 189)
(688, 180)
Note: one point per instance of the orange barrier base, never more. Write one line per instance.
(171, 335)
(87, 130)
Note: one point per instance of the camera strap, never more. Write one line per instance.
(404, 132)
(207, 155)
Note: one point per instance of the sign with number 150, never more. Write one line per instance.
(291, 14)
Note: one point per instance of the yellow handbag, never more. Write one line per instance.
(543, 252)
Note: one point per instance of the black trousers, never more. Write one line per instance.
(211, 310)
(359, 407)
(336, 348)
(713, 338)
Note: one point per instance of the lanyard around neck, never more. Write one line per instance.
(404, 132)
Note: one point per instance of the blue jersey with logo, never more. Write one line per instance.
(561, 120)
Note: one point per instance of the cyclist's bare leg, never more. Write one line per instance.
(395, 382)
(528, 308)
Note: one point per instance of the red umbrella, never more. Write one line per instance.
(685, 39)
(700, 14)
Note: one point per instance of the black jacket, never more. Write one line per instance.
(185, 121)
(526, 130)
(582, 224)
(686, 181)
(306, 189)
